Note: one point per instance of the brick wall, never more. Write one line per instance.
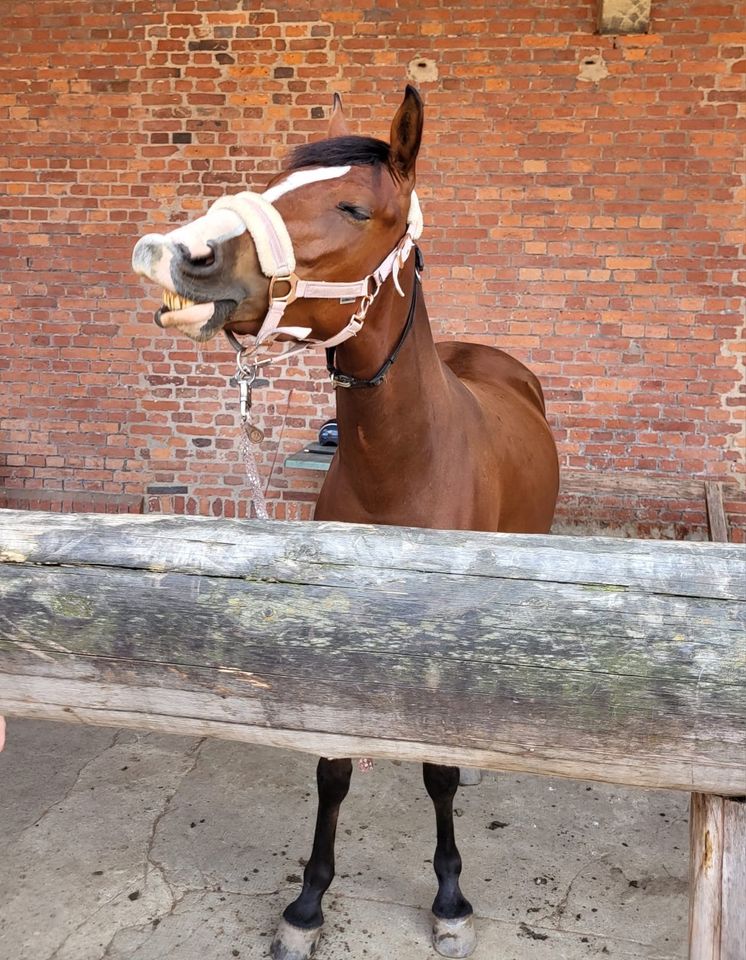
(584, 209)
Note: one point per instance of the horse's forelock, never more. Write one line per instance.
(341, 151)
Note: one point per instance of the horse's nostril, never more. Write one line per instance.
(206, 260)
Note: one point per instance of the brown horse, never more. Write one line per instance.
(450, 435)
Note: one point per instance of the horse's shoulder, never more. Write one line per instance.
(479, 363)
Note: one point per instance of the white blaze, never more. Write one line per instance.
(301, 177)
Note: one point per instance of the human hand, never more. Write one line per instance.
(2, 732)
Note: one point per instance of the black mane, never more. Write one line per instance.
(341, 151)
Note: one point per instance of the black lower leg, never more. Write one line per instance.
(333, 779)
(441, 783)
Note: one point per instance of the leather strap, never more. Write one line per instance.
(340, 379)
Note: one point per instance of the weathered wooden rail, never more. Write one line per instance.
(614, 660)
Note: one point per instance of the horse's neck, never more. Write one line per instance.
(390, 430)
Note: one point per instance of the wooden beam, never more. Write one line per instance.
(623, 16)
(589, 658)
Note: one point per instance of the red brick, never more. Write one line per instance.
(594, 232)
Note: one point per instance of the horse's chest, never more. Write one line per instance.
(443, 490)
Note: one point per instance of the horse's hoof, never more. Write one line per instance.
(469, 776)
(295, 943)
(454, 938)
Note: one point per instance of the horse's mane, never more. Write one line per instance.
(341, 151)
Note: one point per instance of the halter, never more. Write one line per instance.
(277, 261)
(340, 379)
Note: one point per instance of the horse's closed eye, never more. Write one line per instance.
(352, 210)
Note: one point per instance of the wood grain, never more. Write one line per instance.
(598, 659)
(705, 876)
(716, 518)
(733, 922)
(717, 887)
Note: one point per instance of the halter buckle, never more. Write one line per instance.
(291, 280)
(374, 287)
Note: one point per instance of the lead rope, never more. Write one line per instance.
(278, 446)
(249, 436)
(248, 452)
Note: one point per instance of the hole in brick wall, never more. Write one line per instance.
(593, 69)
(422, 70)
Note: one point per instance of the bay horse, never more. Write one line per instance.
(448, 435)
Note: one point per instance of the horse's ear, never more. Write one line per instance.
(406, 133)
(337, 123)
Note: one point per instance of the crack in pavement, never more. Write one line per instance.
(83, 922)
(66, 795)
(150, 861)
(154, 922)
(157, 866)
(558, 910)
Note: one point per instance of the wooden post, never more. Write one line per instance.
(716, 518)
(717, 841)
(717, 891)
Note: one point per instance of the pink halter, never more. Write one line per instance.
(277, 260)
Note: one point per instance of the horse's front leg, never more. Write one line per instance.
(300, 927)
(453, 922)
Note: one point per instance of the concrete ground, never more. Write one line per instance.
(119, 845)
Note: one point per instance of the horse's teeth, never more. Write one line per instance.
(172, 301)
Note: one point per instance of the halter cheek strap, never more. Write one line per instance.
(277, 260)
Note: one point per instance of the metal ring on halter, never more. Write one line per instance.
(291, 280)
(245, 372)
(373, 289)
(373, 286)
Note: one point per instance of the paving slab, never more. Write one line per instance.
(124, 846)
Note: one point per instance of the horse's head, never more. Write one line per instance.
(333, 216)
